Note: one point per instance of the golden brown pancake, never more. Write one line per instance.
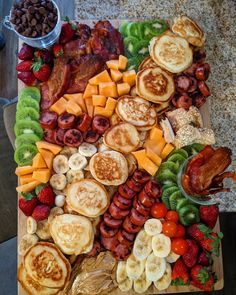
(147, 63)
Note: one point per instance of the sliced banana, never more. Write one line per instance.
(55, 212)
(58, 181)
(74, 175)
(126, 285)
(57, 192)
(121, 274)
(87, 149)
(155, 267)
(134, 267)
(31, 225)
(60, 200)
(142, 283)
(165, 281)
(153, 226)
(142, 245)
(43, 231)
(172, 257)
(161, 245)
(77, 162)
(68, 151)
(60, 164)
(26, 242)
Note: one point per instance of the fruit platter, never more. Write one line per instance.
(117, 168)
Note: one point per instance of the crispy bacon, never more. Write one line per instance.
(75, 48)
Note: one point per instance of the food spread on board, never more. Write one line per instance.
(116, 169)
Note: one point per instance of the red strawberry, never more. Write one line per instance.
(41, 71)
(58, 50)
(212, 243)
(45, 54)
(27, 77)
(204, 259)
(24, 66)
(180, 274)
(26, 52)
(67, 31)
(46, 196)
(41, 212)
(27, 203)
(202, 278)
(198, 231)
(209, 215)
(190, 258)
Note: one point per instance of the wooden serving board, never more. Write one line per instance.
(218, 261)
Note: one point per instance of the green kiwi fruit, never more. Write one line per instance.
(166, 194)
(166, 177)
(194, 148)
(31, 91)
(27, 113)
(188, 215)
(169, 166)
(26, 139)
(176, 158)
(165, 186)
(181, 203)
(27, 102)
(174, 197)
(25, 154)
(181, 152)
(28, 127)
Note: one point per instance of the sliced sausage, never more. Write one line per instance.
(122, 239)
(145, 200)
(95, 250)
(48, 135)
(202, 71)
(121, 202)
(136, 218)
(73, 137)
(130, 227)
(66, 121)
(184, 101)
(109, 243)
(126, 192)
(199, 55)
(204, 88)
(121, 252)
(59, 136)
(112, 222)
(48, 120)
(100, 124)
(106, 231)
(141, 176)
(191, 70)
(83, 123)
(193, 86)
(198, 99)
(116, 212)
(182, 83)
(140, 208)
(134, 185)
(153, 189)
(90, 136)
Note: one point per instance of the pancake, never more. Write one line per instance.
(88, 197)
(71, 233)
(147, 63)
(155, 84)
(45, 263)
(132, 163)
(122, 137)
(31, 286)
(136, 111)
(171, 52)
(188, 29)
(109, 167)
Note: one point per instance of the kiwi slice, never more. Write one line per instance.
(166, 194)
(166, 177)
(176, 158)
(165, 200)
(169, 166)
(188, 215)
(181, 152)
(194, 148)
(28, 127)
(27, 113)
(166, 186)
(174, 197)
(33, 92)
(26, 139)
(182, 203)
(25, 154)
(27, 102)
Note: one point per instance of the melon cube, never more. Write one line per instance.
(108, 89)
(99, 100)
(116, 75)
(123, 88)
(123, 60)
(73, 108)
(60, 106)
(129, 77)
(113, 64)
(101, 77)
(42, 175)
(90, 90)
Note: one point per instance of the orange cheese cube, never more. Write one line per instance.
(111, 104)
(73, 108)
(60, 106)
(48, 157)
(123, 88)
(28, 187)
(54, 148)
(123, 60)
(101, 77)
(99, 100)
(89, 106)
(23, 170)
(144, 162)
(90, 90)
(156, 147)
(26, 179)
(108, 89)
(153, 157)
(130, 77)
(113, 64)
(42, 175)
(38, 161)
(102, 112)
(140, 157)
(78, 98)
(156, 134)
(167, 150)
(116, 75)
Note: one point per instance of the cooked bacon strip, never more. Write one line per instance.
(218, 180)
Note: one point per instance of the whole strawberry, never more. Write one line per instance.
(41, 212)
(179, 274)
(211, 243)
(24, 66)
(26, 52)
(57, 50)
(198, 231)
(204, 259)
(41, 71)
(190, 258)
(45, 54)
(67, 31)
(209, 215)
(46, 196)
(27, 77)
(27, 203)
(202, 278)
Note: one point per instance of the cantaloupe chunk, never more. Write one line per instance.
(99, 100)
(123, 60)
(48, 157)
(23, 170)
(153, 157)
(167, 150)
(73, 108)
(89, 106)
(60, 106)
(42, 175)
(140, 156)
(156, 147)
(123, 88)
(156, 134)
(38, 162)
(28, 187)
(90, 90)
(26, 179)
(130, 77)
(54, 148)
(113, 64)
(111, 104)
(78, 98)
(101, 77)
(108, 89)
(116, 75)
(144, 162)
(102, 112)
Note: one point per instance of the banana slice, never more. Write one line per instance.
(134, 267)
(58, 181)
(142, 283)
(55, 212)
(153, 227)
(31, 225)
(43, 231)
(164, 282)
(77, 162)
(74, 175)
(161, 245)
(126, 285)
(155, 267)
(26, 242)
(60, 164)
(121, 274)
(87, 149)
(68, 151)
(172, 257)
(142, 245)
(60, 200)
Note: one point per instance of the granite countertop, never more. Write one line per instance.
(217, 18)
